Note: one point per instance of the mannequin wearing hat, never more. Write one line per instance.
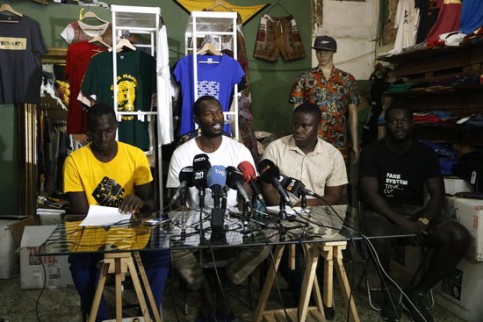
(335, 92)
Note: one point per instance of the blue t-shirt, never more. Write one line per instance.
(215, 79)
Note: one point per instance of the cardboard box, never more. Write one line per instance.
(469, 212)
(37, 271)
(405, 263)
(462, 292)
(453, 185)
(10, 234)
(50, 216)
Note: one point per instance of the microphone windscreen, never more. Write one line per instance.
(233, 176)
(268, 171)
(216, 176)
(186, 174)
(248, 171)
(201, 162)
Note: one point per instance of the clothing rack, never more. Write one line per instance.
(146, 21)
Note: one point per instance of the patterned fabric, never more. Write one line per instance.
(332, 95)
(278, 35)
(80, 31)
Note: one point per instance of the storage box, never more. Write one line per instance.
(10, 234)
(469, 212)
(54, 272)
(50, 216)
(453, 185)
(462, 292)
(405, 263)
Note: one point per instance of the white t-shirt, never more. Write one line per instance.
(230, 153)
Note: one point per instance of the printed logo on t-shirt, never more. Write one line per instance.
(12, 43)
(108, 193)
(210, 88)
(394, 182)
(126, 95)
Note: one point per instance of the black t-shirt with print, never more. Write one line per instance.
(401, 176)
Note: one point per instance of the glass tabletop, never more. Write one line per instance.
(191, 229)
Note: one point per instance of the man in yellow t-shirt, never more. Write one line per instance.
(114, 174)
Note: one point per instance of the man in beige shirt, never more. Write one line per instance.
(318, 164)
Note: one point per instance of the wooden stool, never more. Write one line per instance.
(328, 250)
(119, 264)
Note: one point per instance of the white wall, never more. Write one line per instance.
(354, 26)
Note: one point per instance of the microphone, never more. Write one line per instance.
(201, 164)
(297, 187)
(186, 180)
(216, 180)
(249, 175)
(234, 180)
(270, 173)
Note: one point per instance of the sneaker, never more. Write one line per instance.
(416, 308)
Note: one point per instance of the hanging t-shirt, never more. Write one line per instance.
(136, 83)
(406, 22)
(80, 31)
(78, 57)
(21, 47)
(215, 79)
(471, 15)
(448, 20)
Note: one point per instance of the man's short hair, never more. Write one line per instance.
(199, 102)
(309, 108)
(99, 109)
(398, 106)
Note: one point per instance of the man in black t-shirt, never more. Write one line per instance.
(394, 174)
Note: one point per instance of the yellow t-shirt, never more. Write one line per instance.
(106, 183)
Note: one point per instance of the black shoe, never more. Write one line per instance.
(389, 312)
(416, 308)
(329, 313)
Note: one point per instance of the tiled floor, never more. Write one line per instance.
(62, 305)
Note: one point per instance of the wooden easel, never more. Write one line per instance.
(119, 264)
(332, 253)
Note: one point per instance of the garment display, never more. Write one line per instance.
(428, 14)
(21, 47)
(448, 21)
(332, 95)
(136, 82)
(165, 90)
(78, 57)
(471, 15)
(246, 12)
(216, 77)
(80, 31)
(406, 22)
(278, 35)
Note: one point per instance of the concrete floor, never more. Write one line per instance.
(62, 305)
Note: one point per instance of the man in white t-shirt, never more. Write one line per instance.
(222, 151)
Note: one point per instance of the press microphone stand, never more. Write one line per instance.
(303, 200)
(282, 214)
(245, 218)
(201, 197)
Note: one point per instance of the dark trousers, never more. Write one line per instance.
(85, 274)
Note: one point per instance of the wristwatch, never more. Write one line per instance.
(424, 221)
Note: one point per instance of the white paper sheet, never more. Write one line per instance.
(104, 216)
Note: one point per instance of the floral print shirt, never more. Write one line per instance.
(332, 95)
